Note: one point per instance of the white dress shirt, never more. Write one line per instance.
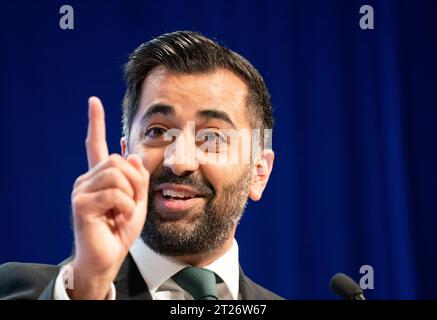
(157, 271)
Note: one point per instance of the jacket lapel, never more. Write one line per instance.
(246, 289)
(129, 283)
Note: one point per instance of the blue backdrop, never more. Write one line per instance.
(354, 181)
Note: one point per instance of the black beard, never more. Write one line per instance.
(206, 230)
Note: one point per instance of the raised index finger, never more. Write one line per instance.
(96, 146)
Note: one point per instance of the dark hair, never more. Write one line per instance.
(190, 52)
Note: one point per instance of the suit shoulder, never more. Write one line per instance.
(252, 291)
(263, 293)
(25, 280)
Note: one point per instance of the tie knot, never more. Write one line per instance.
(199, 282)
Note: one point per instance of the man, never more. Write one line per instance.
(159, 220)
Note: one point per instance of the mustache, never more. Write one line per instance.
(192, 180)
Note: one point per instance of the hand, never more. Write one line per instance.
(109, 205)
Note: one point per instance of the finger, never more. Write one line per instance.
(96, 147)
(101, 201)
(132, 174)
(109, 178)
(114, 199)
(135, 160)
(130, 228)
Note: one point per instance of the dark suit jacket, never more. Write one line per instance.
(37, 281)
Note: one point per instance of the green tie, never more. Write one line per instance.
(199, 282)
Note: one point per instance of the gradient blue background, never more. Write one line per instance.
(354, 180)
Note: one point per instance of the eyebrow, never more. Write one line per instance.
(166, 110)
(209, 114)
(155, 109)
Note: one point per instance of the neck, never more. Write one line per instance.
(204, 259)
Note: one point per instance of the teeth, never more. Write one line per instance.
(171, 193)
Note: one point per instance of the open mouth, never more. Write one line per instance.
(173, 198)
(177, 195)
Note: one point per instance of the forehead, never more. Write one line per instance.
(188, 93)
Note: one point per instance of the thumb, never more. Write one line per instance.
(136, 161)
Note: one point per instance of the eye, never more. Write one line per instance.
(155, 133)
(209, 136)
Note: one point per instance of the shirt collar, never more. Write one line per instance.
(157, 269)
(228, 268)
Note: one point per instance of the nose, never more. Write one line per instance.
(180, 156)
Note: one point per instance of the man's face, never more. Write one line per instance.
(194, 204)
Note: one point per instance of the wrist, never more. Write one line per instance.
(89, 286)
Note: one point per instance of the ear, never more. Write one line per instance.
(263, 168)
(123, 145)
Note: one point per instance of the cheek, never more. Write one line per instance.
(220, 175)
(152, 159)
(239, 150)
